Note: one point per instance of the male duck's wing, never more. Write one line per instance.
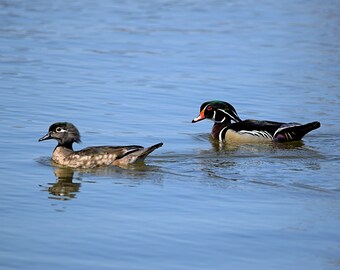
(256, 128)
(278, 131)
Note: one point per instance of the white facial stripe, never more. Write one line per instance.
(220, 121)
(214, 118)
(232, 117)
(214, 115)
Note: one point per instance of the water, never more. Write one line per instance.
(136, 72)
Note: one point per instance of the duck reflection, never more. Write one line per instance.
(64, 188)
(69, 181)
(224, 162)
(222, 147)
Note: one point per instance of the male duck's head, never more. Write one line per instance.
(65, 133)
(218, 111)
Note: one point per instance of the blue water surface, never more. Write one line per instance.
(136, 72)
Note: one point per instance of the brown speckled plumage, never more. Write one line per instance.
(91, 157)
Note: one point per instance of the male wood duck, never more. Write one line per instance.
(96, 156)
(248, 131)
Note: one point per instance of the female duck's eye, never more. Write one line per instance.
(59, 129)
(209, 108)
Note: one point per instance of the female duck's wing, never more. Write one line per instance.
(113, 150)
(116, 155)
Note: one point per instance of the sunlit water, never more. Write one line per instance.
(136, 72)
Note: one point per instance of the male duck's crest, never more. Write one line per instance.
(66, 134)
(222, 113)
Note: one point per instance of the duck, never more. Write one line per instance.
(66, 134)
(228, 126)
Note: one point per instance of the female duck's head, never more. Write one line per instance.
(65, 133)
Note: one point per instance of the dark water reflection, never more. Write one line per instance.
(68, 181)
(64, 188)
(272, 164)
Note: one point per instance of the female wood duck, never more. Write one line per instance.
(247, 131)
(96, 156)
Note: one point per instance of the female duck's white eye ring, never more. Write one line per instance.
(59, 129)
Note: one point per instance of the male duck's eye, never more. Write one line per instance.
(59, 129)
(209, 108)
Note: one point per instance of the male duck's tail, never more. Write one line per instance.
(294, 132)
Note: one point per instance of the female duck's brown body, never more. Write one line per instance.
(96, 156)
